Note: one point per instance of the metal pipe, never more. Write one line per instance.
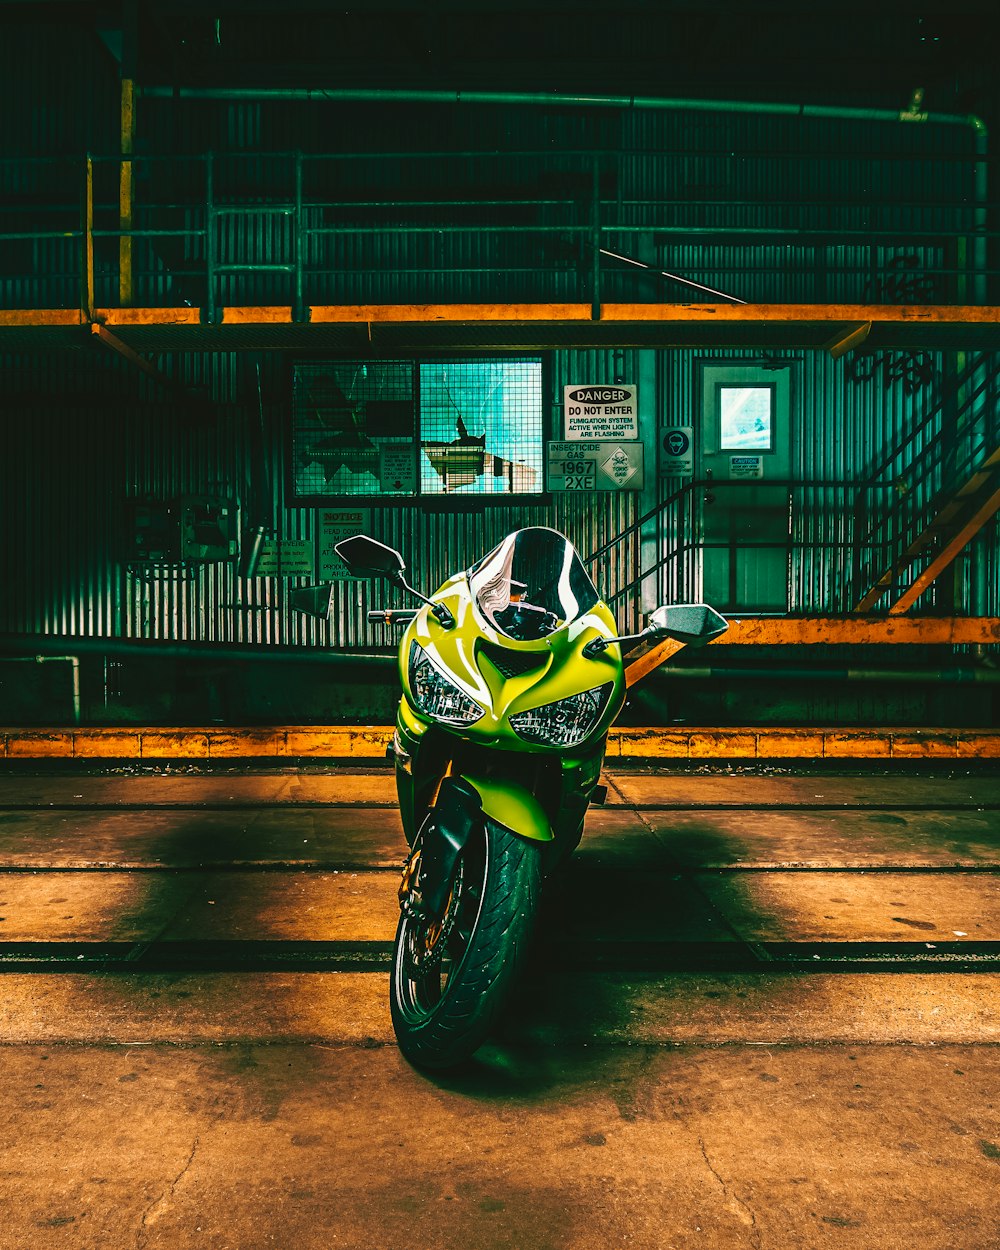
(72, 660)
(39, 645)
(359, 95)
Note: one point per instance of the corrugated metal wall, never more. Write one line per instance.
(72, 461)
(837, 205)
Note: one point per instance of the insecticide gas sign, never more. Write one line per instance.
(594, 412)
(595, 466)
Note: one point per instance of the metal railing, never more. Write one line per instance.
(922, 475)
(300, 229)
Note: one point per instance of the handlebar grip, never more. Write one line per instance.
(391, 616)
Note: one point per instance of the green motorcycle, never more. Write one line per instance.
(512, 673)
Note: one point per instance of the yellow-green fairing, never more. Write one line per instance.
(565, 672)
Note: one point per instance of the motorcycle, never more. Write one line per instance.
(512, 673)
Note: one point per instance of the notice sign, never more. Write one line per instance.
(600, 412)
(677, 451)
(596, 466)
(335, 524)
(742, 467)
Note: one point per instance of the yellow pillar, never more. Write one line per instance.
(125, 189)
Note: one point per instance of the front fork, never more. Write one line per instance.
(463, 786)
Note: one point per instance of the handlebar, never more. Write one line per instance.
(392, 616)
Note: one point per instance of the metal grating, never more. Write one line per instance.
(481, 427)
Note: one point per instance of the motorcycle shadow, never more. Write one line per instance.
(623, 946)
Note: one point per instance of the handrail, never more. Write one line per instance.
(591, 214)
(921, 468)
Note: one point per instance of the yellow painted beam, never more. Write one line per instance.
(25, 318)
(846, 340)
(87, 292)
(832, 631)
(126, 187)
(951, 314)
(842, 317)
(257, 315)
(103, 335)
(123, 318)
(370, 741)
(428, 313)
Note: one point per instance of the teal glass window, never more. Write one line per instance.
(407, 429)
(746, 418)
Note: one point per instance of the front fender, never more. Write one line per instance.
(513, 807)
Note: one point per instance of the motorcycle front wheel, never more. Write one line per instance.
(451, 978)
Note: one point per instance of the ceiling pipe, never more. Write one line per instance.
(554, 99)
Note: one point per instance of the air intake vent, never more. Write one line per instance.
(510, 663)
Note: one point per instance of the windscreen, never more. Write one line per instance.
(531, 584)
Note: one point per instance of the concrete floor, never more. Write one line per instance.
(764, 1011)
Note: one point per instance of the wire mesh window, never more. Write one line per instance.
(481, 427)
(403, 429)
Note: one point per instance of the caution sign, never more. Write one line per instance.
(743, 467)
(595, 466)
(593, 412)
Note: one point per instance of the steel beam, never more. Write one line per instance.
(87, 291)
(835, 631)
(843, 342)
(111, 341)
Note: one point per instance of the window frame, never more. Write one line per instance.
(441, 501)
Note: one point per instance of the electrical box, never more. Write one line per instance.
(210, 528)
(192, 529)
(154, 532)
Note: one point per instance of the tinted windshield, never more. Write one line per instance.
(531, 584)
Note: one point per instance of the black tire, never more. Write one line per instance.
(442, 1011)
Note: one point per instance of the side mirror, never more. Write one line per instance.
(692, 623)
(363, 555)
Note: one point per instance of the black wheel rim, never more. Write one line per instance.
(422, 983)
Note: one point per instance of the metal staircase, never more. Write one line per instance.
(946, 489)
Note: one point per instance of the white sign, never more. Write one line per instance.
(335, 524)
(595, 466)
(745, 467)
(289, 557)
(397, 470)
(677, 451)
(601, 412)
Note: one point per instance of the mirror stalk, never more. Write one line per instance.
(598, 645)
(438, 610)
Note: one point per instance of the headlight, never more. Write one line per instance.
(435, 695)
(565, 723)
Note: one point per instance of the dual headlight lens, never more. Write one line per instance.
(565, 723)
(437, 696)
